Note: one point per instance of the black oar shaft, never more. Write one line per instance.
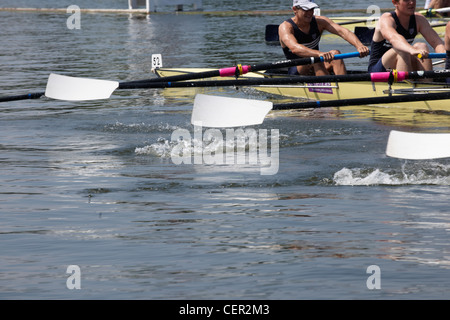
(241, 82)
(182, 77)
(218, 73)
(362, 101)
(35, 95)
(281, 81)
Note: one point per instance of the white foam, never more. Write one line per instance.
(430, 173)
(163, 147)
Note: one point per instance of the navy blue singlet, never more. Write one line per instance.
(378, 49)
(310, 39)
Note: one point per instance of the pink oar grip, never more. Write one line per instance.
(230, 72)
(384, 76)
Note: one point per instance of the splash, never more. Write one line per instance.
(417, 173)
(214, 147)
(164, 148)
(161, 149)
(138, 127)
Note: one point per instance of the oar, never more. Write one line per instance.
(374, 77)
(224, 112)
(243, 69)
(70, 88)
(418, 146)
(215, 111)
(431, 12)
(35, 95)
(77, 89)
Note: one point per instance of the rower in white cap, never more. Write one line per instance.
(300, 37)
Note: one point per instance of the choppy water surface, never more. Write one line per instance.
(93, 183)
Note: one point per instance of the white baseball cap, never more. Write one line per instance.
(305, 4)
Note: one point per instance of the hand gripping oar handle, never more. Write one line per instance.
(433, 55)
(243, 69)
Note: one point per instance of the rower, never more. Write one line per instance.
(393, 44)
(300, 37)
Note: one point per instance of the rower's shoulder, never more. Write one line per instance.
(324, 23)
(420, 18)
(285, 25)
(386, 20)
(387, 16)
(285, 28)
(323, 19)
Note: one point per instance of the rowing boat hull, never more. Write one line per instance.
(338, 91)
(414, 114)
(355, 90)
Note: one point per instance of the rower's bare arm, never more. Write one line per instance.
(344, 33)
(387, 29)
(430, 34)
(447, 37)
(287, 39)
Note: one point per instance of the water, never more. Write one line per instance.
(92, 183)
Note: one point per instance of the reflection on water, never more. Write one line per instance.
(401, 115)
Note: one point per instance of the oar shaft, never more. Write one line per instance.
(362, 101)
(240, 70)
(436, 55)
(356, 21)
(248, 82)
(227, 72)
(231, 71)
(35, 95)
(375, 77)
(430, 12)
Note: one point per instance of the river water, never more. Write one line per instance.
(93, 184)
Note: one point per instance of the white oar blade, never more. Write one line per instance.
(418, 146)
(221, 112)
(78, 89)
